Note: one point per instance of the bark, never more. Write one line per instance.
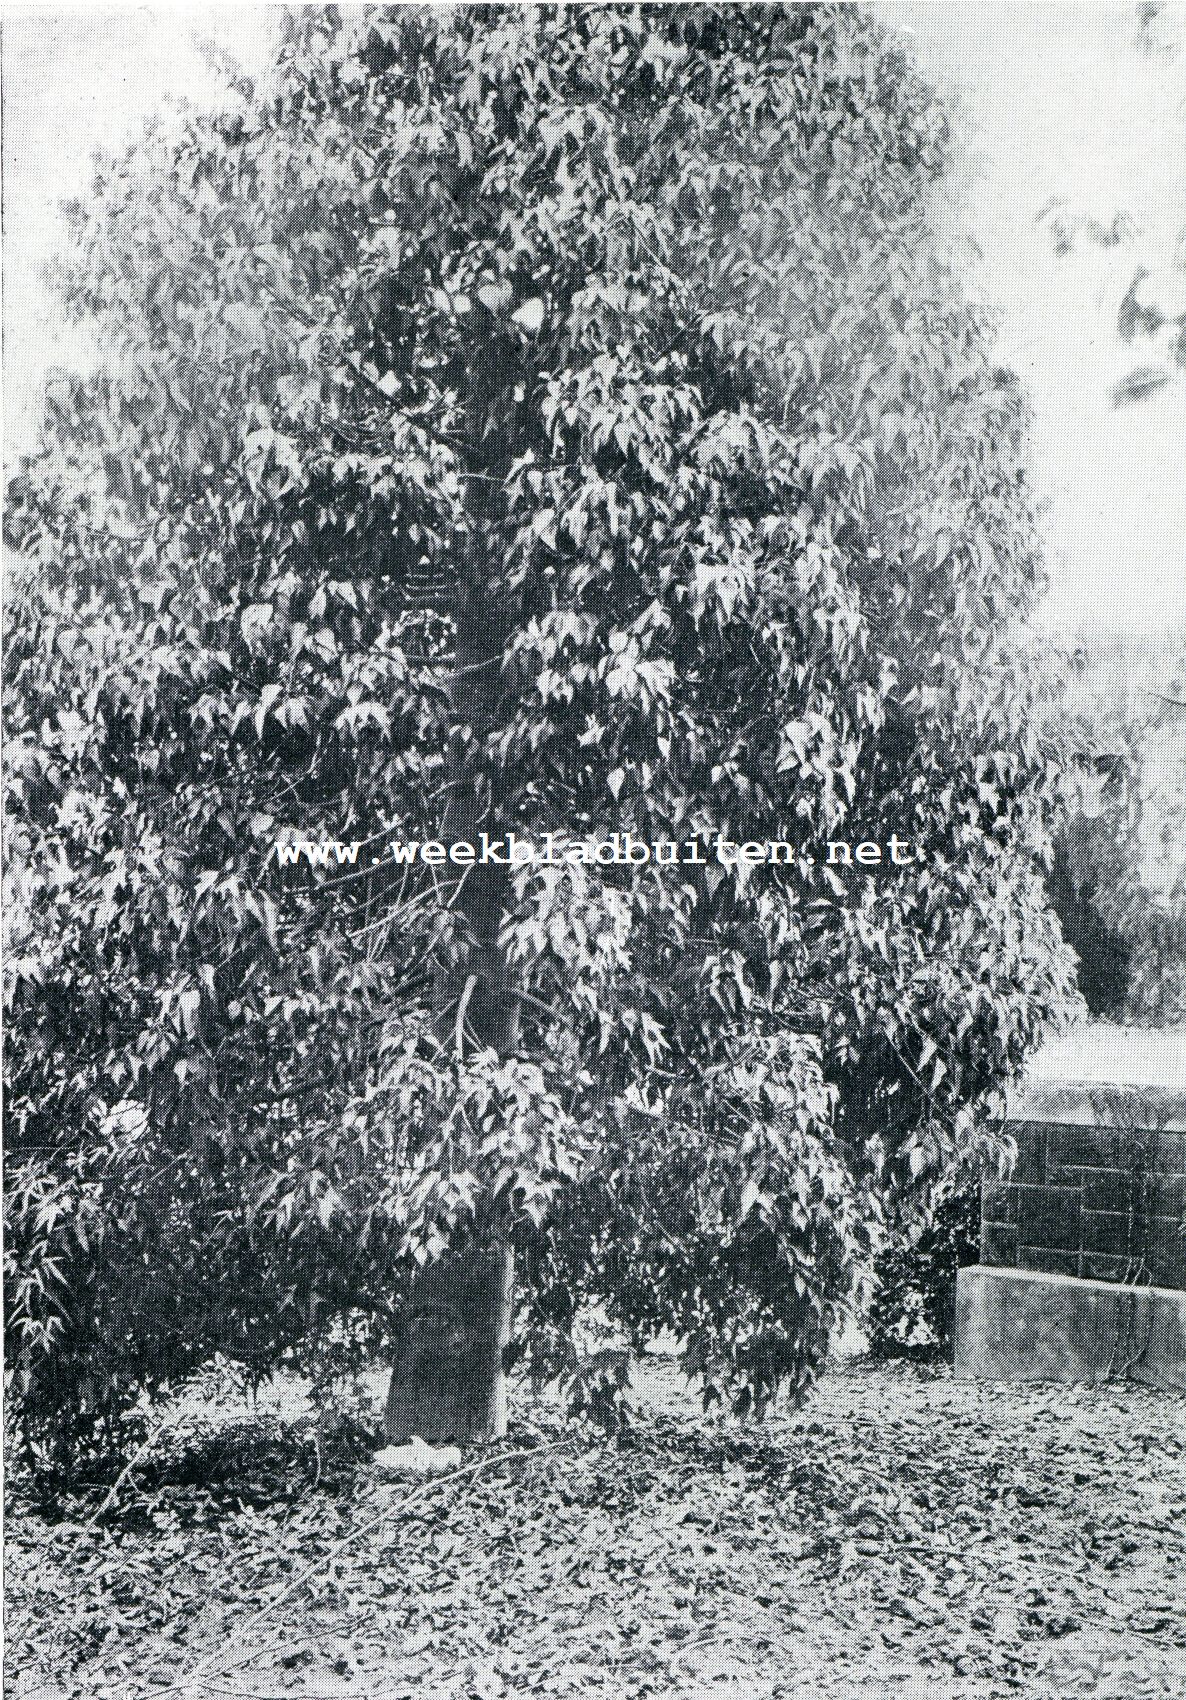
(447, 1380)
(491, 1015)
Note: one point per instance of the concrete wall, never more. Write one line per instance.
(1082, 1272)
(1017, 1325)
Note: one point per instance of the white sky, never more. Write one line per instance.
(1060, 100)
(1052, 100)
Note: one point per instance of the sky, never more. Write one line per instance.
(1061, 102)
(1052, 102)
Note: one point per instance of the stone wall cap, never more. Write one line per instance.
(1046, 1278)
(1066, 1078)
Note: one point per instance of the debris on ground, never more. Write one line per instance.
(903, 1532)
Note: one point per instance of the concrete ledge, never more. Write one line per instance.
(1019, 1325)
(1070, 1074)
(1076, 1103)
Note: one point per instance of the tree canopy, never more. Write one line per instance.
(553, 419)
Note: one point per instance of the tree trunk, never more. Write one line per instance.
(447, 1380)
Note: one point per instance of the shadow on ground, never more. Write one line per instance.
(903, 1532)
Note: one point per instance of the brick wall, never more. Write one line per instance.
(1103, 1202)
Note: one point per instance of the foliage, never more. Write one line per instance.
(1118, 879)
(912, 1314)
(980, 1536)
(540, 418)
(1090, 862)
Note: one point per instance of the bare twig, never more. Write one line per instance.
(137, 1457)
(462, 1005)
(529, 997)
(202, 1671)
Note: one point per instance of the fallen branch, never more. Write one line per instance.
(202, 1671)
(137, 1457)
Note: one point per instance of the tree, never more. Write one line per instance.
(1117, 882)
(521, 420)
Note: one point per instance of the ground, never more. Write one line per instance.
(903, 1534)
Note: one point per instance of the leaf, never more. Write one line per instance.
(267, 697)
(187, 1008)
(1138, 383)
(530, 316)
(495, 296)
